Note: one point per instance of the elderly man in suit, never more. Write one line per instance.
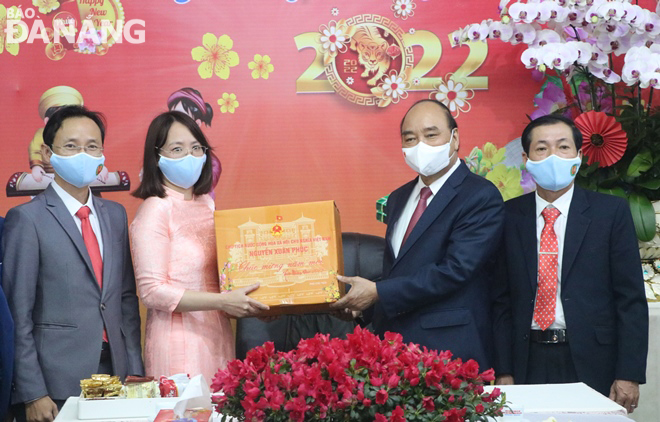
(68, 275)
(442, 229)
(6, 344)
(570, 302)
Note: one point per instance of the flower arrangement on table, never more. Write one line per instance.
(600, 63)
(359, 378)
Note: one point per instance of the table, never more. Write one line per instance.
(650, 392)
(576, 402)
(557, 399)
(69, 413)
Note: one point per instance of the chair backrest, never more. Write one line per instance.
(363, 257)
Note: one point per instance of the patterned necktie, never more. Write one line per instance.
(92, 245)
(546, 294)
(424, 195)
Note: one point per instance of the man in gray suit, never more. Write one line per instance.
(68, 275)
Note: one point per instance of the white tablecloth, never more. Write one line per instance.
(577, 398)
(558, 400)
(649, 393)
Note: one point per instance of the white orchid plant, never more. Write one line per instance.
(597, 57)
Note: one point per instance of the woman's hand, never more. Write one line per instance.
(238, 304)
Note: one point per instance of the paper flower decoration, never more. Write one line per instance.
(604, 140)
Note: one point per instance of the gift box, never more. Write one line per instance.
(294, 251)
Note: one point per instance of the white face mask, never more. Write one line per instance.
(428, 160)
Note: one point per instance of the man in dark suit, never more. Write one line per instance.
(6, 344)
(442, 229)
(570, 302)
(68, 275)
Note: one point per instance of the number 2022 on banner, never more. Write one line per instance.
(427, 40)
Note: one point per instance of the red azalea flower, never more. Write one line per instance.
(604, 141)
(380, 418)
(397, 415)
(428, 404)
(479, 408)
(381, 396)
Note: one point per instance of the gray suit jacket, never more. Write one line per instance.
(58, 308)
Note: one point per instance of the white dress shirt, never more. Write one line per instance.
(73, 205)
(563, 204)
(401, 224)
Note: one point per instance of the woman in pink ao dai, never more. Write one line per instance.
(174, 256)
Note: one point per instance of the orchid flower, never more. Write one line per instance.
(523, 32)
(546, 36)
(499, 30)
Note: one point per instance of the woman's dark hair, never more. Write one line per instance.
(152, 177)
(547, 120)
(69, 112)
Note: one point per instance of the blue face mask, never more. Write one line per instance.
(183, 172)
(80, 170)
(554, 173)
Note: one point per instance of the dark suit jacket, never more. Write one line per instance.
(602, 290)
(58, 308)
(436, 292)
(6, 343)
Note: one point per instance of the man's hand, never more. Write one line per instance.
(362, 295)
(626, 393)
(41, 410)
(504, 380)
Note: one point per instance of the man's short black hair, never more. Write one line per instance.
(68, 112)
(547, 120)
(450, 119)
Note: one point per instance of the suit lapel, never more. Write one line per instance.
(576, 229)
(107, 238)
(56, 207)
(528, 241)
(438, 204)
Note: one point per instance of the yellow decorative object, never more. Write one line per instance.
(228, 102)
(507, 181)
(261, 66)
(216, 56)
(46, 6)
(492, 155)
(58, 96)
(12, 48)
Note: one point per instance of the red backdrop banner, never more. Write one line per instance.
(306, 96)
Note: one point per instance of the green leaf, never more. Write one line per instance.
(643, 216)
(653, 184)
(641, 163)
(616, 191)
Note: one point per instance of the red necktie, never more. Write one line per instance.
(92, 245)
(424, 195)
(546, 294)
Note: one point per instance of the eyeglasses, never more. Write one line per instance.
(71, 149)
(180, 152)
